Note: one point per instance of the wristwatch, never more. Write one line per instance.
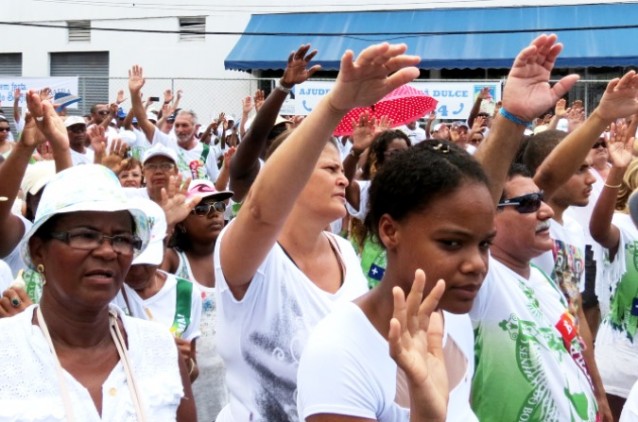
(282, 88)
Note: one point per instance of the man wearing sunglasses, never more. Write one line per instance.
(5, 131)
(76, 131)
(562, 171)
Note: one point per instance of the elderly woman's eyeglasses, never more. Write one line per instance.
(524, 204)
(87, 240)
(159, 166)
(209, 209)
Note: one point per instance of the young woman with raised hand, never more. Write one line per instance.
(430, 209)
(277, 271)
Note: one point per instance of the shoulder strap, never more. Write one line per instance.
(183, 296)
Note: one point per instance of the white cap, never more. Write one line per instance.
(151, 116)
(159, 150)
(74, 120)
(154, 252)
(37, 175)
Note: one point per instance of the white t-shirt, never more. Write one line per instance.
(565, 263)
(583, 214)
(209, 389)
(78, 158)
(190, 162)
(346, 369)
(416, 135)
(630, 410)
(160, 308)
(364, 189)
(261, 337)
(616, 348)
(524, 370)
(31, 390)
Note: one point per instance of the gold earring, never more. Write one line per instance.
(40, 269)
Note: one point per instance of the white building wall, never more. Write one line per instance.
(163, 55)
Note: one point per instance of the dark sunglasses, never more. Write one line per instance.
(524, 204)
(209, 209)
(103, 112)
(4, 129)
(599, 144)
(77, 128)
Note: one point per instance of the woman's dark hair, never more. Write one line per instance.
(418, 176)
(179, 240)
(376, 153)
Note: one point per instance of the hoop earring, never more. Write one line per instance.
(40, 269)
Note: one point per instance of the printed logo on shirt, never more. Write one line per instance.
(567, 329)
(376, 272)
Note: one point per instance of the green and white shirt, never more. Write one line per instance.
(529, 364)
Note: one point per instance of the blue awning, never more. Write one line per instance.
(593, 35)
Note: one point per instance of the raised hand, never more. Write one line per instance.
(363, 131)
(415, 338)
(376, 71)
(228, 155)
(97, 137)
(120, 97)
(560, 109)
(383, 124)
(173, 200)
(484, 93)
(168, 96)
(297, 68)
(296, 121)
(259, 99)
(16, 94)
(620, 98)
(527, 93)
(246, 105)
(136, 79)
(179, 95)
(48, 121)
(620, 145)
(115, 154)
(45, 94)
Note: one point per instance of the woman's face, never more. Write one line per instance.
(325, 193)
(449, 240)
(204, 228)
(81, 279)
(396, 145)
(131, 178)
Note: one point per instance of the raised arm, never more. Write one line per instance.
(245, 165)
(377, 70)
(135, 84)
(619, 100)
(50, 127)
(620, 155)
(362, 136)
(526, 95)
(483, 94)
(16, 105)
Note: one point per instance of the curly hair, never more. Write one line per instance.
(417, 177)
(376, 152)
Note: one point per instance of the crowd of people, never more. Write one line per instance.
(158, 269)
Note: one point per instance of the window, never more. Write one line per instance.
(79, 31)
(192, 28)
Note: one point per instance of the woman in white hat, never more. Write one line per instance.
(73, 357)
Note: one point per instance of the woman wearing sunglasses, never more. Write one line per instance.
(191, 257)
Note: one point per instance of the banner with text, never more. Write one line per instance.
(455, 99)
(8, 86)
